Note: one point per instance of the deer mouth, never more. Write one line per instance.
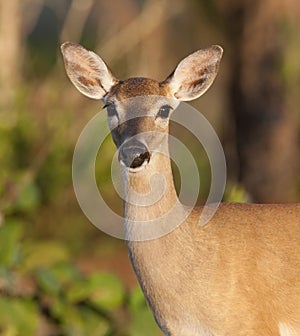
(140, 160)
(138, 164)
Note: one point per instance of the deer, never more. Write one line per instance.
(237, 275)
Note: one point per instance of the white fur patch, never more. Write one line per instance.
(286, 330)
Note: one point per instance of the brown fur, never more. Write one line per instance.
(138, 86)
(239, 275)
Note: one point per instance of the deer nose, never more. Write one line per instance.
(133, 154)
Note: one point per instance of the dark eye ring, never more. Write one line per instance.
(164, 111)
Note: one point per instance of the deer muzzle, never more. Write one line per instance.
(133, 154)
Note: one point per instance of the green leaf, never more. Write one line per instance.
(66, 273)
(78, 291)
(137, 300)
(18, 317)
(59, 307)
(57, 278)
(103, 290)
(82, 321)
(141, 316)
(43, 254)
(236, 194)
(47, 280)
(10, 235)
(108, 291)
(5, 277)
(29, 198)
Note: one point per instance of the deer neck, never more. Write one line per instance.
(151, 229)
(151, 204)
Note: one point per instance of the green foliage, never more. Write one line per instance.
(104, 291)
(18, 317)
(42, 290)
(9, 244)
(28, 198)
(236, 193)
(142, 318)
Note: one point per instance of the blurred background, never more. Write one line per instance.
(59, 275)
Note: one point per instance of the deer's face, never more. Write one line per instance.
(138, 112)
(139, 108)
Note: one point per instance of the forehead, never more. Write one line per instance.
(137, 87)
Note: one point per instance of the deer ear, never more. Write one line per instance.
(87, 71)
(195, 74)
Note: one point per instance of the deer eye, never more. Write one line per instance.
(164, 112)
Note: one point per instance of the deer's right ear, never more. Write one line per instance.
(87, 71)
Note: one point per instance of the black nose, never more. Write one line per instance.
(133, 154)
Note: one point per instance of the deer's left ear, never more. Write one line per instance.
(195, 74)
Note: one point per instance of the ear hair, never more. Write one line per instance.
(195, 73)
(87, 71)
